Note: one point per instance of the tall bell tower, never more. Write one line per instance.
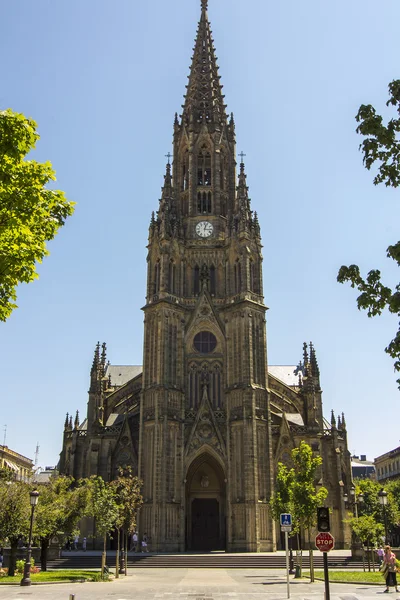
(205, 443)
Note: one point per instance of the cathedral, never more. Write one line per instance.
(205, 420)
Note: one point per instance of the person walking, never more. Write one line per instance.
(76, 542)
(389, 569)
(134, 542)
(145, 547)
(380, 552)
(84, 544)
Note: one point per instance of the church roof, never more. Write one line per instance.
(285, 374)
(121, 374)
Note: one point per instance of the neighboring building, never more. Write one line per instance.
(387, 465)
(44, 475)
(362, 468)
(20, 465)
(205, 421)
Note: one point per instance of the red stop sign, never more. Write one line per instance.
(325, 542)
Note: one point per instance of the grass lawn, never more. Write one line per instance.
(54, 576)
(352, 576)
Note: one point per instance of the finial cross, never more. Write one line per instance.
(169, 155)
(204, 4)
(242, 155)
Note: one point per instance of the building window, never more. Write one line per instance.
(204, 168)
(204, 203)
(205, 342)
(196, 280)
(212, 280)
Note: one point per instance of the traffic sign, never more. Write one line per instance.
(287, 528)
(286, 520)
(325, 541)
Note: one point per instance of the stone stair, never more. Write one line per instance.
(201, 561)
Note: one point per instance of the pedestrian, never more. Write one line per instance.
(380, 552)
(134, 542)
(389, 569)
(1, 558)
(145, 547)
(84, 544)
(76, 542)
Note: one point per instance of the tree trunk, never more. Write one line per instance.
(103, 555)
(126, 553)
(299, 556)
(13, 558)
(117, 555)
(44, 546)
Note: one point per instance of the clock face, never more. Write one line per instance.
(204, 229)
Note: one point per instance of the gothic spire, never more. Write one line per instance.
(204, 101)
(76, 424)
(66, 421)
(333, 420)
(103, 358)
(313, 361)
(96, 358)
(343, 423)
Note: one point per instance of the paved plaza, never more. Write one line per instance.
(197, 584)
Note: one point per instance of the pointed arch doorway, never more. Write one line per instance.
(205, 505)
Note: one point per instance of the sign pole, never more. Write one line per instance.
(287, 563)
(326, 576)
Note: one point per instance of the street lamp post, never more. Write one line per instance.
(356, 499)
(26, 580)
(382, 495)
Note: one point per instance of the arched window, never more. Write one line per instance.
(196, 281)
(252, 280)
(204, 167)
(172, 277)
(212, 280)
(185, 171)
(204, 203)
(238, 276)
(157, 274)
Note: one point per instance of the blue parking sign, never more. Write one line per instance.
(286, 520)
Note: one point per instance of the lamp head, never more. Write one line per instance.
(383, 497)
(34, 497)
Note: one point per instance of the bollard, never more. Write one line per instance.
(72, 597)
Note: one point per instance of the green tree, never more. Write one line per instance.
(380, 148)
(369, 531)
(103, 507)
(59, 509)
(305, 497)
(30, 213)
(371, 505)
(295, 492)
(14, 516)
(281, 500)
(128, 499)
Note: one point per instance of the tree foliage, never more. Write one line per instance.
(295, 489)
(370, 506)
(381, 148)
(102, 505)
(367, 530)
(61, 505)
(14, 515)
(30, 213)
(128, 498)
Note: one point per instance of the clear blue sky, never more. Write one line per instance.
(103, 80)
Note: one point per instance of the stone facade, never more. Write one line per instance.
(205, 421)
